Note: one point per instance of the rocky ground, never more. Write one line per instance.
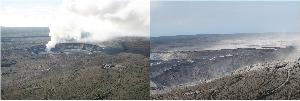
(27, 75)
(273, 80)
(184, 68)
(225, 66)
(96, 76)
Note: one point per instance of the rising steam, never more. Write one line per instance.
(100, 20)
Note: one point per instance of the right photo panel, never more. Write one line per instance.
(225, 50)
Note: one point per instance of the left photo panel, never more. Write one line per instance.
(75, 49)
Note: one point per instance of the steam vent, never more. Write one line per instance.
(150, 50)
(67, 48)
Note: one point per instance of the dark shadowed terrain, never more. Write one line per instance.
(279, 80)
(225, 66)
(116, 69)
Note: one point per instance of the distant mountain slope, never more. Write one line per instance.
(24, 31)
(222, 41)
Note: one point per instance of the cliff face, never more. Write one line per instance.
(273, 80)
(185, 68)
(136, 45)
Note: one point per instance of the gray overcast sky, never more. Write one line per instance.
(222, 17)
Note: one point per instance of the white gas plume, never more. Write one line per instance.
(259, 40)
(100, 20)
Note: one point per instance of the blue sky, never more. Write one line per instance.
(223, 17)
(28, 13)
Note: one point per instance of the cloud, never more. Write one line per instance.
(27, 13)
(100, 20)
